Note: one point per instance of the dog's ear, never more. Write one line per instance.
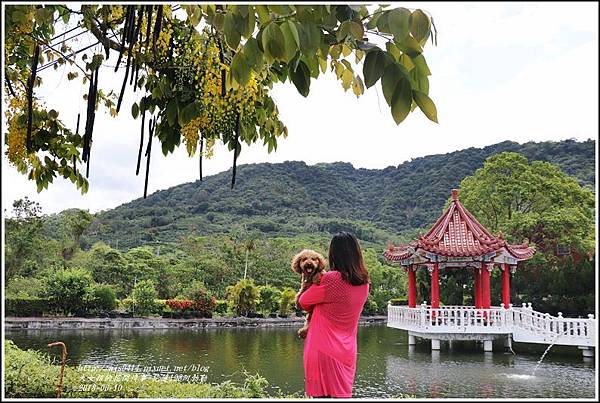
(321, 262)
(296, 262)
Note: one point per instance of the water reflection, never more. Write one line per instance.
(386, 367)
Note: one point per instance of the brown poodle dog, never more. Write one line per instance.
(311, 266)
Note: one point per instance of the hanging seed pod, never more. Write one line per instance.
(236, 149)
(124, 35)
(124, 82)
(170, 51)
(87, 167)
(126, 23)
(135, 80)
(77, 133)
(223, 76)
(34, 63)
(157, 28)
(137, 170)
(10, 87)
(95, 99)
(148, 151)
(200, 158)
(106, 45)
(149, 10)
(91, 116)
(88, 119)
(135, 39)
(133, 33)
(131, 26)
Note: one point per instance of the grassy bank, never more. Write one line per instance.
(32, 373)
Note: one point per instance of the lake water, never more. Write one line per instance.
(385, 368)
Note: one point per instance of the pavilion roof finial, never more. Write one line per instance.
(455, 194)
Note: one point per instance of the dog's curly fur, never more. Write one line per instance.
(310, 265)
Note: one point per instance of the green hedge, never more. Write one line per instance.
(29, 374)
(221, 307)
(399, 301)
(30, 306)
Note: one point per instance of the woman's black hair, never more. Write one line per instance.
(345, 256)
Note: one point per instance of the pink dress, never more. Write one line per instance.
(330, 346)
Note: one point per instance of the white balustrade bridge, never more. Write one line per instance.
(521, 324)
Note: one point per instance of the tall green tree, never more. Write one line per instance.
(68, 289)
(23, 238)
(77, 221)
(534, 201)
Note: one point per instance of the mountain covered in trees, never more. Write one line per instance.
(292, 198)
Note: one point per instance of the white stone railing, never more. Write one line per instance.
(525, 324)
(537, 327)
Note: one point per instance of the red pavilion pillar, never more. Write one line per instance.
(435, 286)
(506, 285)
(476, 287)
(412, 287)
(486, 297)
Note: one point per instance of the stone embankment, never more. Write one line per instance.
(41, 323)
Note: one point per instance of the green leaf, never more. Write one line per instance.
(393, 50)
(357, 86)
(250, 23)
(407, 62)
(312, 61)
(350, 27)
(218, 21)
(335, 51)
(301, 78)
(263, 14)
(398, 23)
(347, 78)
(310, 37)
(373, 67)
(188, 113)
(339, 68)
(273, 41)
(372, 24)
(410, 46)
(135, 110)
(359, 55)
(420, 25)
(389, 81)
(357, 30)
(52, 114)
(421, 65)
(240, 69)
(172, 112)
(232, 35)
(426, 105)
(401, 101)
(294, 31)
(382, 22)
(253, 54)
(291, 40)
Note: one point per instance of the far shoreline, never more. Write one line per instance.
(67, 323)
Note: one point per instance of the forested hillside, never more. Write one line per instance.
(294, 198)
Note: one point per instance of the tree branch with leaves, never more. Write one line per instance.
(205, 72)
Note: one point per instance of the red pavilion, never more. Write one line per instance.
(458, 241)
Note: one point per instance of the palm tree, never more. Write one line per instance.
(249, 245)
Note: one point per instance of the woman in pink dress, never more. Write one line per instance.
(336, 304)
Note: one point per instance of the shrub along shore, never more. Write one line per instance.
(32, 374)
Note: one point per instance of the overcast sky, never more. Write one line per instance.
(501, 71)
